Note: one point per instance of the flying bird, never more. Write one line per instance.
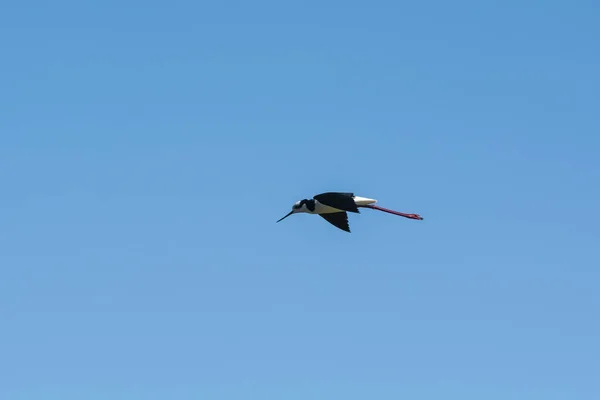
(335, 206)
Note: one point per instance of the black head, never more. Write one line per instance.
(304, 205)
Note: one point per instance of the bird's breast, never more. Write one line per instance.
(324, 209)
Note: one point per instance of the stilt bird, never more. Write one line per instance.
(334, 206)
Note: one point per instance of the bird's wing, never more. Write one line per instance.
(339, 220)
(339, 200)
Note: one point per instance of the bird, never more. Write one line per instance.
(335, 206)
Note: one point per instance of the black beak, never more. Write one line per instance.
(291, 212)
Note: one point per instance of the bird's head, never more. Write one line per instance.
(298, 207)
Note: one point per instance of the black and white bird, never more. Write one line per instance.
(335, 206)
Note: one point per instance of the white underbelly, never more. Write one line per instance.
(324, 209)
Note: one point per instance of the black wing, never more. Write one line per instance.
(339, 200)
(339, 220)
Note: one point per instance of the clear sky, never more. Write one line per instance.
(147, 149)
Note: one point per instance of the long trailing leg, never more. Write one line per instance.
(405, 215)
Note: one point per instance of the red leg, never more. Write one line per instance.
(411, 216)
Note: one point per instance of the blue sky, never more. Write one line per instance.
(147, 149)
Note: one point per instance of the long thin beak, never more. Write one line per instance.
(291, 212)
